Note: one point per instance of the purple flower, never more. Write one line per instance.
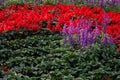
(78, 33)
(85, 37)
(91, 2)
(40, 1)
(104, 41)
(111, 41)
(96, 31)
(64, 33)
(91, 39)
(82, 22)
(72, 1)
(1, 1)
(58, 1)
(107, 40)
(70, 34)
(105, 21)
(101, 3)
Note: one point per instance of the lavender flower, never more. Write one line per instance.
(78, 33)
(111, 42)
(107, 40)
(105, 22)
(58, 1)
(85, 36)
(70, 32)
(1, 1)
(96, 30)
(92, 2)
(40, 1)
(104, 41)
(91, 38)
(64, 33)
(101, 3)
(82, 22)
(72, 1)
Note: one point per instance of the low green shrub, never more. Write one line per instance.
(45, 56)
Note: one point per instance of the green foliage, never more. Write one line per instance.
(115, 9)
(42, 55)
(52, 2)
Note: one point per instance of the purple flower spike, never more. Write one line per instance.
(72, 1)
(40, 1)
(78, 34)
(58, 1)
(82, 22)
(101, 3)
(96, 31)
(111, 42)
(91, 39)
(105, 22)
(1, 1)
(104, 41)
(85, 37)
(64, 33)
(70, 34)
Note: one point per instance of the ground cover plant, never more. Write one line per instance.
(59, 42)
(44, 56)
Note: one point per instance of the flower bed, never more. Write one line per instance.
(54, 17)
(33, 36)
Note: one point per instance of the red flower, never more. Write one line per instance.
(5, 69)
(107, 78)
(119, 49)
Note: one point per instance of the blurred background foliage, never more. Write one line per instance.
(114, 6)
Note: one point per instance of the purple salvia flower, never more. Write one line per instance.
(82, 38)
(104, 23)
(40, 1)
(70, 36)
(113, 2)
(104, 41)
(85, 37)
(108, 2)
(82, 31)
(117, 2)
(72, 1)
(70, 33)
(91, 39)
(58, 1)
(89, 24)
(1, 1)
(92, 2)
(111, 41)
(89, 2)
(96, 31)
(64, 33)
(78, 33)
(101, 3)
(82, 22)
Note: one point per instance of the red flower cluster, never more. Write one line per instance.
(32, 18)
